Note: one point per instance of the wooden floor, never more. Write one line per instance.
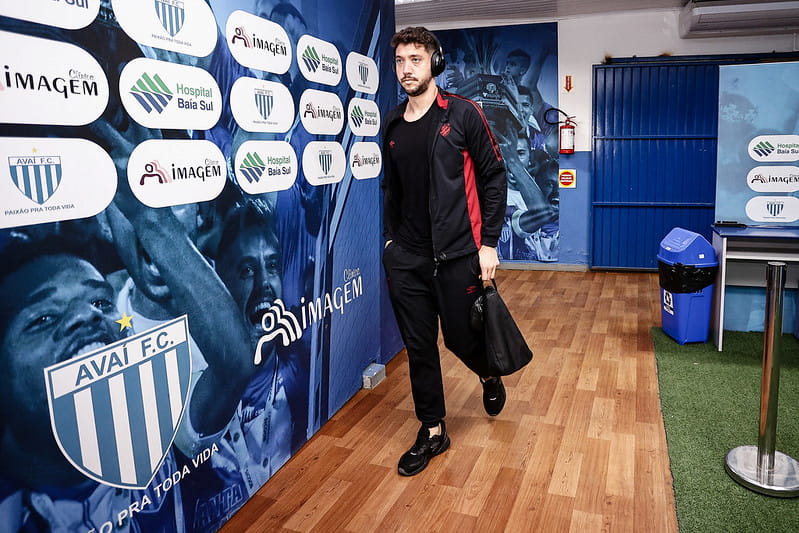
(580, 446)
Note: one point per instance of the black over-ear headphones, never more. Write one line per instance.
(437, 61)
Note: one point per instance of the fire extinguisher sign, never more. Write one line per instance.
(567, 178)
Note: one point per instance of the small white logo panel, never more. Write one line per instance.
(782, 178)
(319, 60)
(668, 302)
(50, 180)
(363, 117)
(362, 73)
(775, 148)
(68, 14)
(258, 43)
(164, 173)
(773, 209)
(261, 106)
(158, 94)
(183, 26)
(365, 160)
(49, 82)
(323, 162)
(321, 112)
(265, 166)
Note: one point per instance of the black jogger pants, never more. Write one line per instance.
(422, 293)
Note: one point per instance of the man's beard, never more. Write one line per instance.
(420, 89)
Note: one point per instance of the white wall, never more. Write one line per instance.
(586, 41)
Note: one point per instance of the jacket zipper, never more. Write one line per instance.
(439, 124)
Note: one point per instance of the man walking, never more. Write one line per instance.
(444, 199)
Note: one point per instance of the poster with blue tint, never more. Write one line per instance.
(757, 181)
(189, 249)
(512, 72)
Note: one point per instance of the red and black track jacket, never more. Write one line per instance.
(468, 186)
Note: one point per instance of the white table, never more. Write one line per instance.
(742, 254)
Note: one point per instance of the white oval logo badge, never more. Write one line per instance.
(365, 160)
(363, 117)
(49, 180)
(265, 166)
(49, 82)
(158, 94)
(362, 73)
(323, 162)
(321, 112)
(184, 26)
(774, 179)
(774, 148)
(258, 43)
(262, 106)
(773, 209)
(68, 14)
(164, 173)
(319, 60)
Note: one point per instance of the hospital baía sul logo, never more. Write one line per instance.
(67, 14)
(265, 166)
(320, 61)
(159, 94)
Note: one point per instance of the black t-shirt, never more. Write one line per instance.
(411, 142)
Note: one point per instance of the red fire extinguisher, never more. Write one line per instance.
(566, 132)
(566, 139)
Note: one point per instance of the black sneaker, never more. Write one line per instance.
(426, 447)
(493, 395)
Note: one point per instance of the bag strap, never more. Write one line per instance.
(493, 282)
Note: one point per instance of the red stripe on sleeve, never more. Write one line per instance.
(472, 201)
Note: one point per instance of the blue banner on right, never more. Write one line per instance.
(757, 181)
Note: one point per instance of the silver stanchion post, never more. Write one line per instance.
(762, 468)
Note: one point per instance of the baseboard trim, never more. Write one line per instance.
(562, 267)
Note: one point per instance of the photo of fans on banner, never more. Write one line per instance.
(512, 72)
(188, 192)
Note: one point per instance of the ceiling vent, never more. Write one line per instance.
(738, 17)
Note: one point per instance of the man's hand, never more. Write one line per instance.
(489, 261)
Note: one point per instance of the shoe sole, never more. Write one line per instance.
(444, 448)
(489, 413)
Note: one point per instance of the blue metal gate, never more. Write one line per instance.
(654, 157)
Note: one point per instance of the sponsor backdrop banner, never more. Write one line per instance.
(190, 278)
(512, 71)
(758, 147)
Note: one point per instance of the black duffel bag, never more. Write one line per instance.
(506, 349)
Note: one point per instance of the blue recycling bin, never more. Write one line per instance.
(687, 267)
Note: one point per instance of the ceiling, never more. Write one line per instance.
(442, 13)
(445, 14)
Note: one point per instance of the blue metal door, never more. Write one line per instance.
(654, 157)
